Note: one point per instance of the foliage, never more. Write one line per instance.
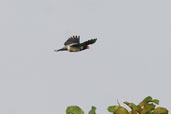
(146, 106)
(93, 110)
(78, 110)
(74, 110)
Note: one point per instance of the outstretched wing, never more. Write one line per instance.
(73, 40)
(92, 41)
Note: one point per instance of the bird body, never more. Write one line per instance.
(73, 44)
(74, 48)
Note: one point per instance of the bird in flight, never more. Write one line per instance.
(73, 44)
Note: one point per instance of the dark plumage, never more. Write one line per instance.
(73, 44)
(73, 39)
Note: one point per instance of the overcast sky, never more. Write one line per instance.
(130, 60)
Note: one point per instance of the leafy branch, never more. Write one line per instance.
(146, 106)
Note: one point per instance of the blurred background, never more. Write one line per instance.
(129, 61)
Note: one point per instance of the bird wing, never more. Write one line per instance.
(92, 41)
(73, 40)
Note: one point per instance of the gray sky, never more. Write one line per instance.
(129, 61)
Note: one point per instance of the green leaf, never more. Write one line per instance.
(147, 100)
(148, 108)
(149, 112)
(74, 110)
(156, 101)
(113, 109)
(160, 110)
(121, 110)
(139, 109)
(93, 110)
(131, 105)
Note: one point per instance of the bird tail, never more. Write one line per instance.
(62, 49)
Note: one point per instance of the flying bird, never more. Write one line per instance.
(73, 44)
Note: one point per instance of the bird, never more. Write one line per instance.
(73, 44)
